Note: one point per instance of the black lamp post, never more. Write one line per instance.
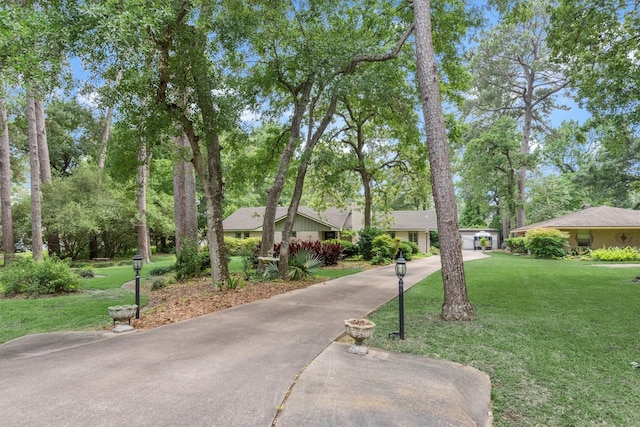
(401, 270)
(137, 266)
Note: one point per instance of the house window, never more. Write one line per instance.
(392, 234)
(413, 236)
(246, 234)
(329, 235)
(238, 235)
(583, 238)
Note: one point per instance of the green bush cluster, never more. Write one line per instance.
(240, 247)
(616, 254)
(105, 264)
(158, 284)
(191, 263)
(85, 272)
(162, 271)
(516, 245)
(547, 243)
(386, 249)
(365, 241)
(33, 278)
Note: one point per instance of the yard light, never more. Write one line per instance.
(401, 270)
(137, 266)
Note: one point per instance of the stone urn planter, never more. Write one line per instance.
(122, 313)
(359, 330)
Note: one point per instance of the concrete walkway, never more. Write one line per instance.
(268, 363)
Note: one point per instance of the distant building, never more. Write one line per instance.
(594, 227)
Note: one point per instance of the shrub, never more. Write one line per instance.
(331, 253)
(190, 263)
(85, 272)
(414, 247)
(434, 237)
(516, 245)
(162, 271)
(328, 253)
(79, 264)
(407, 251)
(240, 247)
(232, 245)
(348, 249)
(383, 249)
(50, 276)
(547, 243)
(249, 246)
(107, 264)
(616, 254)
(434, 251)
(158, 284)
(365, 241)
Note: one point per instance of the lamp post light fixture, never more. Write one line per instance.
(137, 266)
(401, 270)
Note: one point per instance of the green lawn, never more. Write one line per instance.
(86, 310)
(557, 338)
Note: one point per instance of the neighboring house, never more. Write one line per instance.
(471, 238)
(595, 227)
(412, 226)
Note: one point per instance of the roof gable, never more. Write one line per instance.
(597, 217)
(252, 218)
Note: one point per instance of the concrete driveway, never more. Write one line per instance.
(272, 362)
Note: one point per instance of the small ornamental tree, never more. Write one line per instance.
(547, 243)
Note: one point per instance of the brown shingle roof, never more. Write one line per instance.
(598, 217)
(414, 220)
(251, 218)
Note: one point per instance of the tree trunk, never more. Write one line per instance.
(106, 129)
(312, 139)
(184, 190)
(8, 244)
(52, 237)
(141, 197)
(274, 192)
(524, 149)
(36, 208)
(179, 214)
(43, 145)
(456, 301)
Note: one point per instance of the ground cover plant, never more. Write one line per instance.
(559, 338)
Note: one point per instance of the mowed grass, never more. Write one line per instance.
(557, 338)
(85, 310)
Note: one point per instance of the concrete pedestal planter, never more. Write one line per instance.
(120, 314)
(359, 330)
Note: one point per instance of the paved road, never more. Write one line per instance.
(236, 368)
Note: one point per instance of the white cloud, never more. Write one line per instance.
(91, 99)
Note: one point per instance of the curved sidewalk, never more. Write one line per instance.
(236, 368)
